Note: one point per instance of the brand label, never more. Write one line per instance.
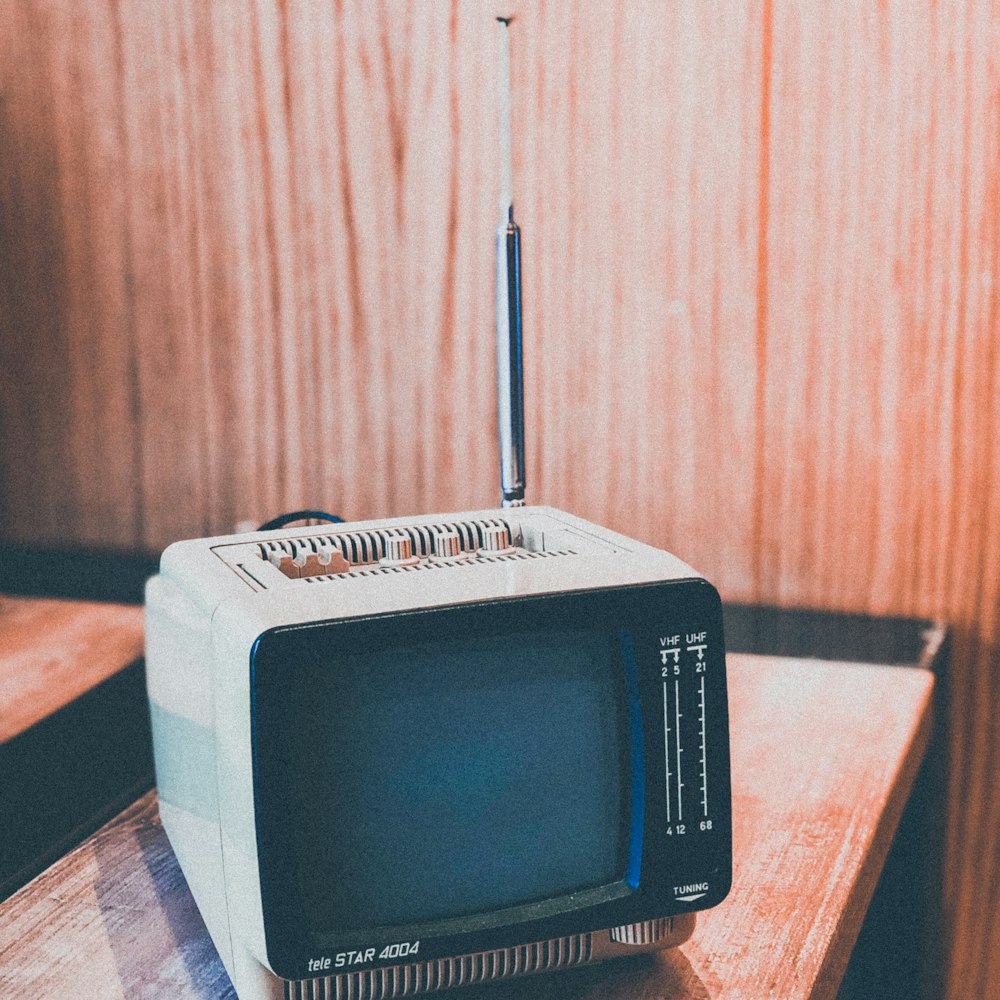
(345, 959)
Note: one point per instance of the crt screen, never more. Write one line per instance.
(443, 779)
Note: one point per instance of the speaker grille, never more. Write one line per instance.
(444, 973)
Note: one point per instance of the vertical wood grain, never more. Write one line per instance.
(640, 205)
(880, 372)
(247, 266)
(70, 447)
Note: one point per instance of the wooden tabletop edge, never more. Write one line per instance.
(841, 943)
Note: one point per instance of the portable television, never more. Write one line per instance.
(398, 756)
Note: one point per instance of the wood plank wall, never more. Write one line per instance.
(246, 266)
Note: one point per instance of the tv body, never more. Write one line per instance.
(403, 755)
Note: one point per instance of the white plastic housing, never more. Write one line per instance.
(213, 597)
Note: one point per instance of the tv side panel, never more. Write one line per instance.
(179, 683)
(236, 626)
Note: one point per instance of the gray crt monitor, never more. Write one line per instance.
(398, 756)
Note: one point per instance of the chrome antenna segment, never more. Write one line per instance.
(510, 381)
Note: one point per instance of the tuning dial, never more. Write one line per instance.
(447, 544)
(496, 539)
(647, 932)
(398, 551)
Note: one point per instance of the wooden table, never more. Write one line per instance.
(823, 758)
(53, 651)
(74, 732)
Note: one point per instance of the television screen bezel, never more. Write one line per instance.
(635, 613)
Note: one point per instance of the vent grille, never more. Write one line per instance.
(476, 560)
(370, 546)
(445, 973)
(336, 552)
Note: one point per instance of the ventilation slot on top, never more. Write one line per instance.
(475, 560)
(336, 553)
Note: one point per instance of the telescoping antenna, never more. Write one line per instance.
(510, 381)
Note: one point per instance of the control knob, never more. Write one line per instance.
(447, 545)
(646, 932)
(496, 540)
(398, 551)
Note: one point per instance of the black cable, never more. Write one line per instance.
(299, 515)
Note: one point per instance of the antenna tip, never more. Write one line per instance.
(506, 20)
